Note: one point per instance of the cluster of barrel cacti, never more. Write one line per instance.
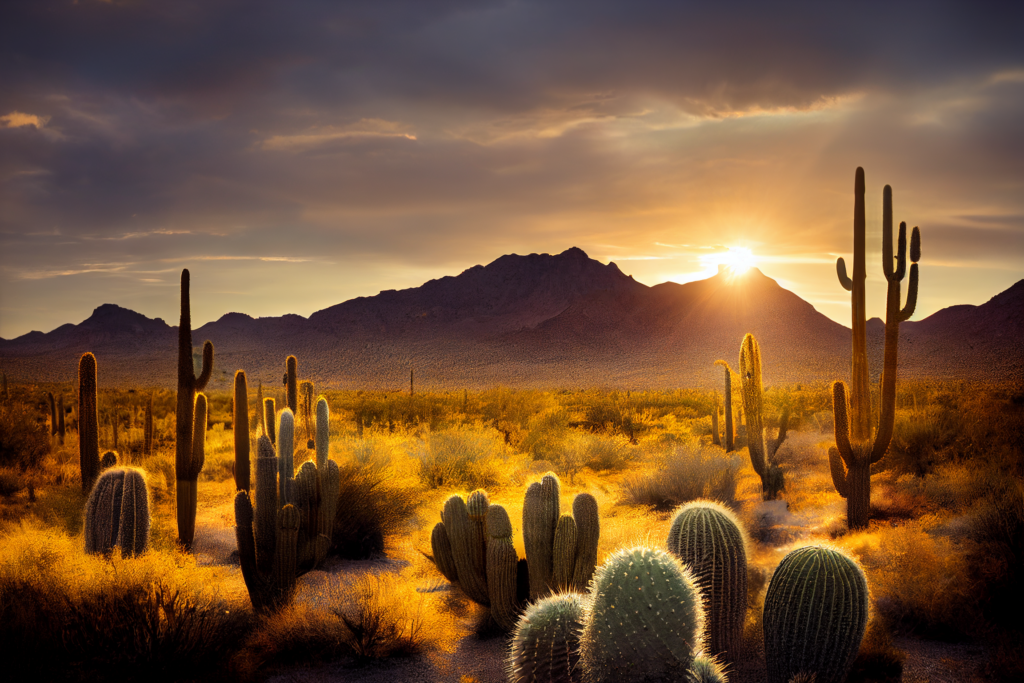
(677, 616)
(855, 451)
(472, 547)
(293, 515)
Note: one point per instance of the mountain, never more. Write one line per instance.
(537, 320)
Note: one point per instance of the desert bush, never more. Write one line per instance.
(376, 503)
(24, 437)
(71, 615)
(690, 472)
(466, 457)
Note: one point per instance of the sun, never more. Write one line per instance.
(737, 259)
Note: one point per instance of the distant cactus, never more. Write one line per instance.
(88, 422)
(645, 621)
(545, 647)
(61, 427)
(729, 431)
(763, 451)
(815, 614)
(291, 378)
(108, 460)
(53, 413)
(708, 538)
(261, 425)
(117, 513)
(306, 405)
(240, 428)
(472, 546)
(855, 452)
(186, 463)
(148, 427)
(716, 438)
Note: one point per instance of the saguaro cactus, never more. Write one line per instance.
(186, 464)
(291, 378)
(861, 386)
(815, 613)
(88, 422)
(317, 488)
(268, 552)
(729, 431)
(716, 437)
(269, 416)
(117, 513)
(240, 427)
(709, 540)
(763, 451)
(306, 401)
(851, 458)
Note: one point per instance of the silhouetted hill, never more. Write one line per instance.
(536, 320)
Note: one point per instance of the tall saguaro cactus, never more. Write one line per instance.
(240, 427)
(851, 458)
(729, 433)
(88, 422)
(186, 464)
(763, 451)
(861, 386)
(291, 378)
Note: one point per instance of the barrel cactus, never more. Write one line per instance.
(815, 614)
(117, 513)
(646, 620)
(708, 538)
(545, 646)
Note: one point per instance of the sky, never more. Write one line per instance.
(293, 155)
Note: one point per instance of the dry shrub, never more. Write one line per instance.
(24, 438)
(465, 457)
(373, 617)
(68, 614)
(376, 503)
(920, 582)
(997, 559)
(691, 471)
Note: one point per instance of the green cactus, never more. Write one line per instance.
(267, 537)
(545, 646)
(240, 428)
(855, 452)
(815, 614)
(186, 463)
(763, 452)
(540, 517)
(117, 513)
(708, 538)
(645, 622)
(291, 377)
(472, 547)
(148, 428)
(706, 670)
(730, 444)
(53, 413)
(88, 422)
(269, 419)
(318, 487)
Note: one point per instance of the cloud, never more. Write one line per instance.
(17, 119)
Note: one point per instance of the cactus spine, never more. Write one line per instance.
(729, 431)
(148, 428)
(186, 464)
(851, 458)
(291, 381)
(117, 513)
(545, 647)
(763, 451)
(708, 539)
(240, 427)
(645, 622)
(88, 422)
(815, 613)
